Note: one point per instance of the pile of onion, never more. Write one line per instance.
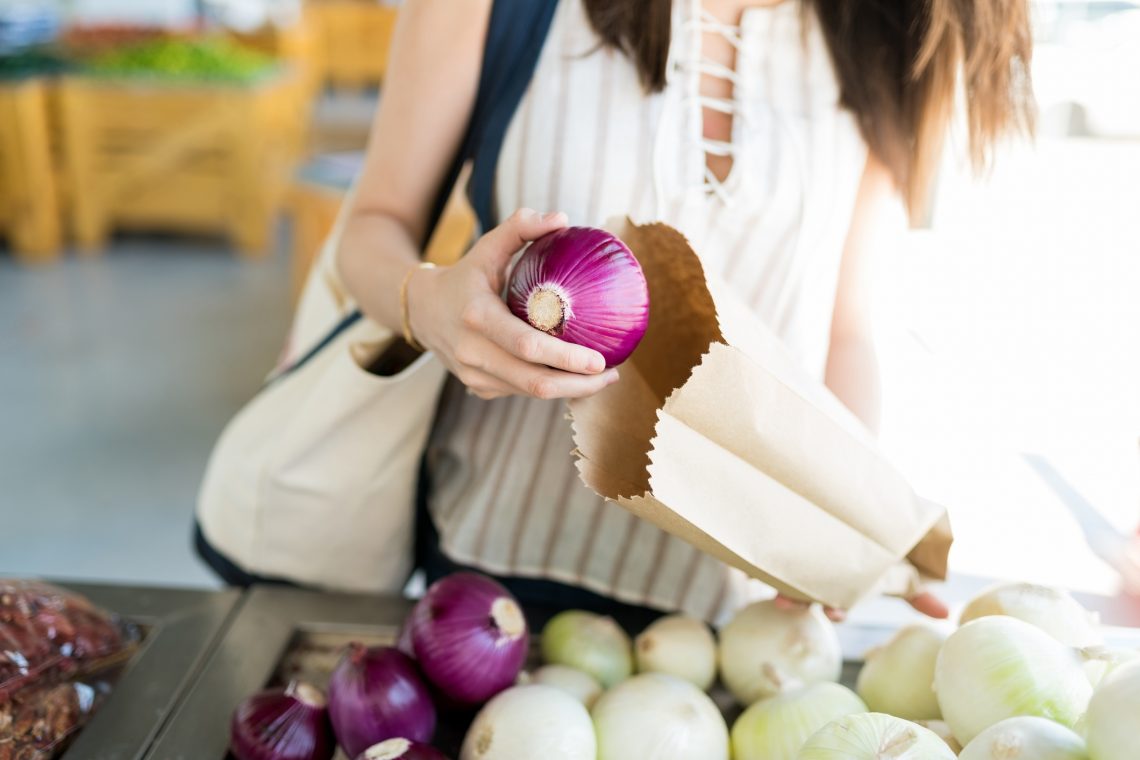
(875, 736)
(584, 286)
(678, 645)
(1025, 738)
(776, 728)
(1114, 715)
(469, 637)
(376, 693)
(589, 642)
(530, 722)
(401, 749)
(766, 649)
(1052, 610)
(999, 667)
(898, 677)
(282, 724)
(654, 715)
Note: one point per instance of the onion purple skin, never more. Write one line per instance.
(470, 637)
(598, 282)
(413, 751)
(282, 724)
(376, 694)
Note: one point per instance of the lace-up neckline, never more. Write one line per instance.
(695, 65)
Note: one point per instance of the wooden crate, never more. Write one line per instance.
(29, 206)
(353, 38)
(209, 158)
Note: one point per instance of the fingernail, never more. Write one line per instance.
(614, 377)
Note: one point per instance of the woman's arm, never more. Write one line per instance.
(456, 311)
(852, 365)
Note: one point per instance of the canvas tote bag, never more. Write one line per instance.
(314, 480)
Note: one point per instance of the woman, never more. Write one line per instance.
(785, 139)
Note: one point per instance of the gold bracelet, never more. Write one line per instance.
(404, 320)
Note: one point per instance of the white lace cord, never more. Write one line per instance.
(699, 22)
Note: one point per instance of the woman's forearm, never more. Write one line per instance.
(853, 376)
(376, 252)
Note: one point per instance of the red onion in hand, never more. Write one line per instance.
(282, 724)
(376, 694)
(470, 637)
(582, 285)
(401, 749)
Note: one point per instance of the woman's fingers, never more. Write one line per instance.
(930, 605)
(496, 248)
(834, 614)
(535, 380)
(524, 342)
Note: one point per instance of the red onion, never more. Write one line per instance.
(376, 694)
(582, 285)
(401, 749)
(283, 724)
(470, 637)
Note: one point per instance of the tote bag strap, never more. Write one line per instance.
(516, 33)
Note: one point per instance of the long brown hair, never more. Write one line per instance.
(899, 65)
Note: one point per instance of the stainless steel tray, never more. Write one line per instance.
(182, 626)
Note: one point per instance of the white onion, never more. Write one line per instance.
(942, 728)
(529, 722)
(653, 716)
(874, 736)
(1025, 738)
(680, 646)
(999, 667)
(765, 650)
(898, 677)
(1112, 724)
(582, 686)
(1050, 609)
(776, 728)
(592, 643)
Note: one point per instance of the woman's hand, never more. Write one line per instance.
(926, 603)
(458, 313)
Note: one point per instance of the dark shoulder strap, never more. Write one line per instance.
(516, 34)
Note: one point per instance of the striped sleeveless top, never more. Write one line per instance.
(586, 139)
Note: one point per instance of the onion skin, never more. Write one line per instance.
(765, 650)
(377, 694)
(777, 728)
(532, 722)
(999, 667)
(578, 684)
(401, 749)
(653, 716)
(589, 642)
(898, 677)
(678, 645)
(1025, 738)
(470, 637)
(282, 724)
(875, 736)
(942, 728)
(1052, 610)
(584, 286)
(1113, 718)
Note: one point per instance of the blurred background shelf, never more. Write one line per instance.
(29, 205)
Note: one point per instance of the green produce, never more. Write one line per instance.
(183, 59)
(874, 736)
(653, 716)
(777, 728)
(680, 646)
(1025, 738)
(999, 667)
(1113, 720)
(765, 650)
(30, 63)
(592, 643)
(898, 677)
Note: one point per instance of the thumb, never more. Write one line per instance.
(501, 243)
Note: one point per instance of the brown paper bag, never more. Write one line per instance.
(716, 435)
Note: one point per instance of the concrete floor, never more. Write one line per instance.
(116, 375)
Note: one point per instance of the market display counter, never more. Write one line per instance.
(180, 628)
(202, 652)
